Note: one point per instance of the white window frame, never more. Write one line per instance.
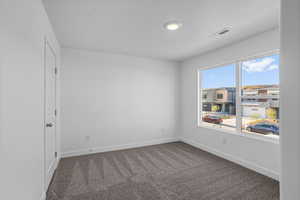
(238, 129)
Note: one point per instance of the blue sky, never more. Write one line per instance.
(262, 71)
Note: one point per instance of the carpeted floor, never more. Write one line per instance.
(173, 171)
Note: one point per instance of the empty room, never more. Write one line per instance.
(149, 100)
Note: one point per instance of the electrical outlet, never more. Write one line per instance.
(224, 141)
(163, 131)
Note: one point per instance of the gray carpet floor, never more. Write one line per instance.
(173, 171)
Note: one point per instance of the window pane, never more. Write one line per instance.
(218, 97)
(260, 96)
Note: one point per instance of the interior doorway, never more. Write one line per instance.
(50, 112)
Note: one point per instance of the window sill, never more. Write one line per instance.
(256, 136)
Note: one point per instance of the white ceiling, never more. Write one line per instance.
(135, 27)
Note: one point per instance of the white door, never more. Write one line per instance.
(50, 113)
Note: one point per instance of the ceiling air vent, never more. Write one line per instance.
(223, 31)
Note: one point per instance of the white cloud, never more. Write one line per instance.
(273, 67)
(265, 64)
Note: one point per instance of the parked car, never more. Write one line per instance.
(212, 119)
(264, 128)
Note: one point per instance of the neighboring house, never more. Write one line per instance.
(219, 100)
(258, 101)
(261, 101)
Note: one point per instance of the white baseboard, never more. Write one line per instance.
(43, 196)
(116, 147)
(242, 162)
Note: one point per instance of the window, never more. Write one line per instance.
(243, 96)
(218, 101)
(260, 77)
(219, 96)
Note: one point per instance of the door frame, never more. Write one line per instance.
(46, 180)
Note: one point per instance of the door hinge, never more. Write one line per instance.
(55, 154)
(55, 112)
(55, 70)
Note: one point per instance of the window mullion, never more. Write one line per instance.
(199, 103)
(238, 98)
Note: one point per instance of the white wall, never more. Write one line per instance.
(254, 153)
(290, 104)
(23, 26)
(114, 101)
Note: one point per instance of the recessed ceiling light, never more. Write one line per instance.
(173, 25)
